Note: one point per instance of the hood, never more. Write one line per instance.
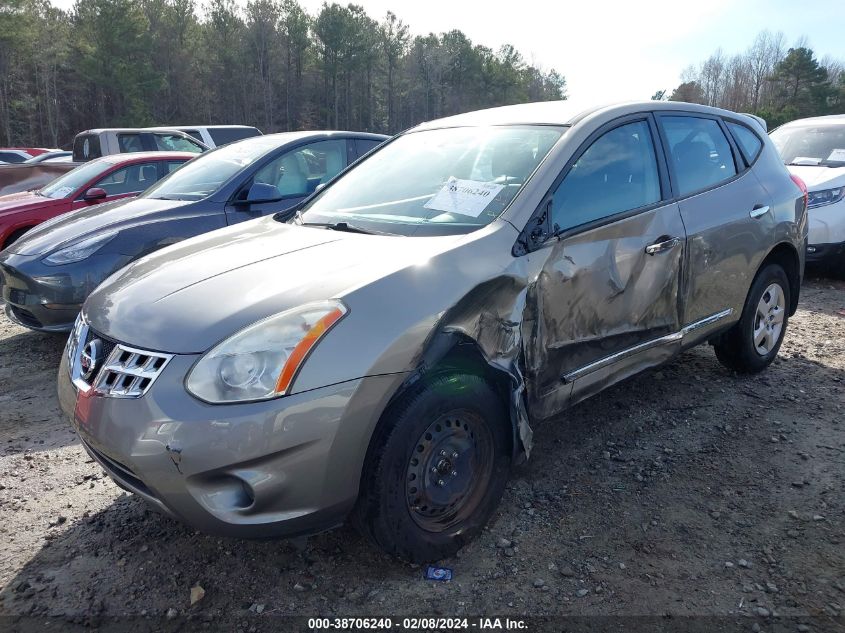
(25, 200)
(818, 177)
(187, 297)
(98, 218)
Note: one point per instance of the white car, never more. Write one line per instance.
(814, 150)
(217, 135)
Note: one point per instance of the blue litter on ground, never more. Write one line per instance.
(444, 574)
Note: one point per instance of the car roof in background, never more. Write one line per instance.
(210, 127)
(273, 141)
(138, 157)
(98, 130)
(829, 119)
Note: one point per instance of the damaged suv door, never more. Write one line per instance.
(608, 294)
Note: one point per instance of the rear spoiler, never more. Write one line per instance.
(760, 120)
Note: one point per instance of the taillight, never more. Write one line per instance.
(802, 187)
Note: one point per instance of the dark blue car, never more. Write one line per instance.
(47, 274)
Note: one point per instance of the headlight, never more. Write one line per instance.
(824, 198)
(262, 360)
(80, 250)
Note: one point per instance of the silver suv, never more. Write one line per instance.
(382, 350)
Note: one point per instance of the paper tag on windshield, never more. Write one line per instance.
(61, 192)
(465, 197)
(837, 154)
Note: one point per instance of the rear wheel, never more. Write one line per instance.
(752, 344)
(436, 469)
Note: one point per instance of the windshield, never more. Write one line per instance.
(65, 186)
(205, 174)
(437, 181)
(811, 144)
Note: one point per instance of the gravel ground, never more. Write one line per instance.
(684, 491)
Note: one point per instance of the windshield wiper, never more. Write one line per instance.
(344, 226)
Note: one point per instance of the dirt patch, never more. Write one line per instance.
(683, 491)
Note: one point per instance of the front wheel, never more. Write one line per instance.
(752, 344)
(436, 469)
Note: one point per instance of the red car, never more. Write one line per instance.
(101, 180)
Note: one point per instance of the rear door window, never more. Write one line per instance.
(130, 179)
(175, 143)
(86, 147)
(699, 152)
(617, 173)
(173, 165)
(129, 143)
(299, 172)
(749, 143)
(224, 135)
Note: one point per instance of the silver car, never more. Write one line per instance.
(382, 352)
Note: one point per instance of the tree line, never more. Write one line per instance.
(769, 79)
(268, 63)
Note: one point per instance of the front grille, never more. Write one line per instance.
(123, 372)
(25, 316)
(129, 372)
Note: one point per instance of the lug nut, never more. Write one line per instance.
(434, 469)
(454, 455)
(454, 473)
(440, 482)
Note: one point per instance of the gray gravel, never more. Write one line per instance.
(633, 503)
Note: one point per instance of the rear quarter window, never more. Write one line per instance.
(364, 146)
(86, 147)
(224, 135)
(749, 143)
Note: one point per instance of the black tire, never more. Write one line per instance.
(736, 348)
(387, 512)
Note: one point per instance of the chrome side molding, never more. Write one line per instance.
(641, 347)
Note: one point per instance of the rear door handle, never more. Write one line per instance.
(759, 211)
(661, 247)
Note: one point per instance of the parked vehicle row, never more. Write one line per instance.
(814, 150)
(379, 344)
(49, 271)
(29, 177)
(16, 155)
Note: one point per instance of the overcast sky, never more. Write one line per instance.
(617, 49)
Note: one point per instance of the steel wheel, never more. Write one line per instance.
(449, 470)
(768, 322)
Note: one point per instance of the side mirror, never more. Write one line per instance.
(261, 192)
(94, 193)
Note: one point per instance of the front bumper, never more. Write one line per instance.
(48, 298)
(821, 254)
(283, 467)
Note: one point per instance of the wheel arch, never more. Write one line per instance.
(786, 256)
(453, 352)
(14, 233)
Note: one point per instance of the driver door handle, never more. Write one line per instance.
(759, 211)
(667, 244)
